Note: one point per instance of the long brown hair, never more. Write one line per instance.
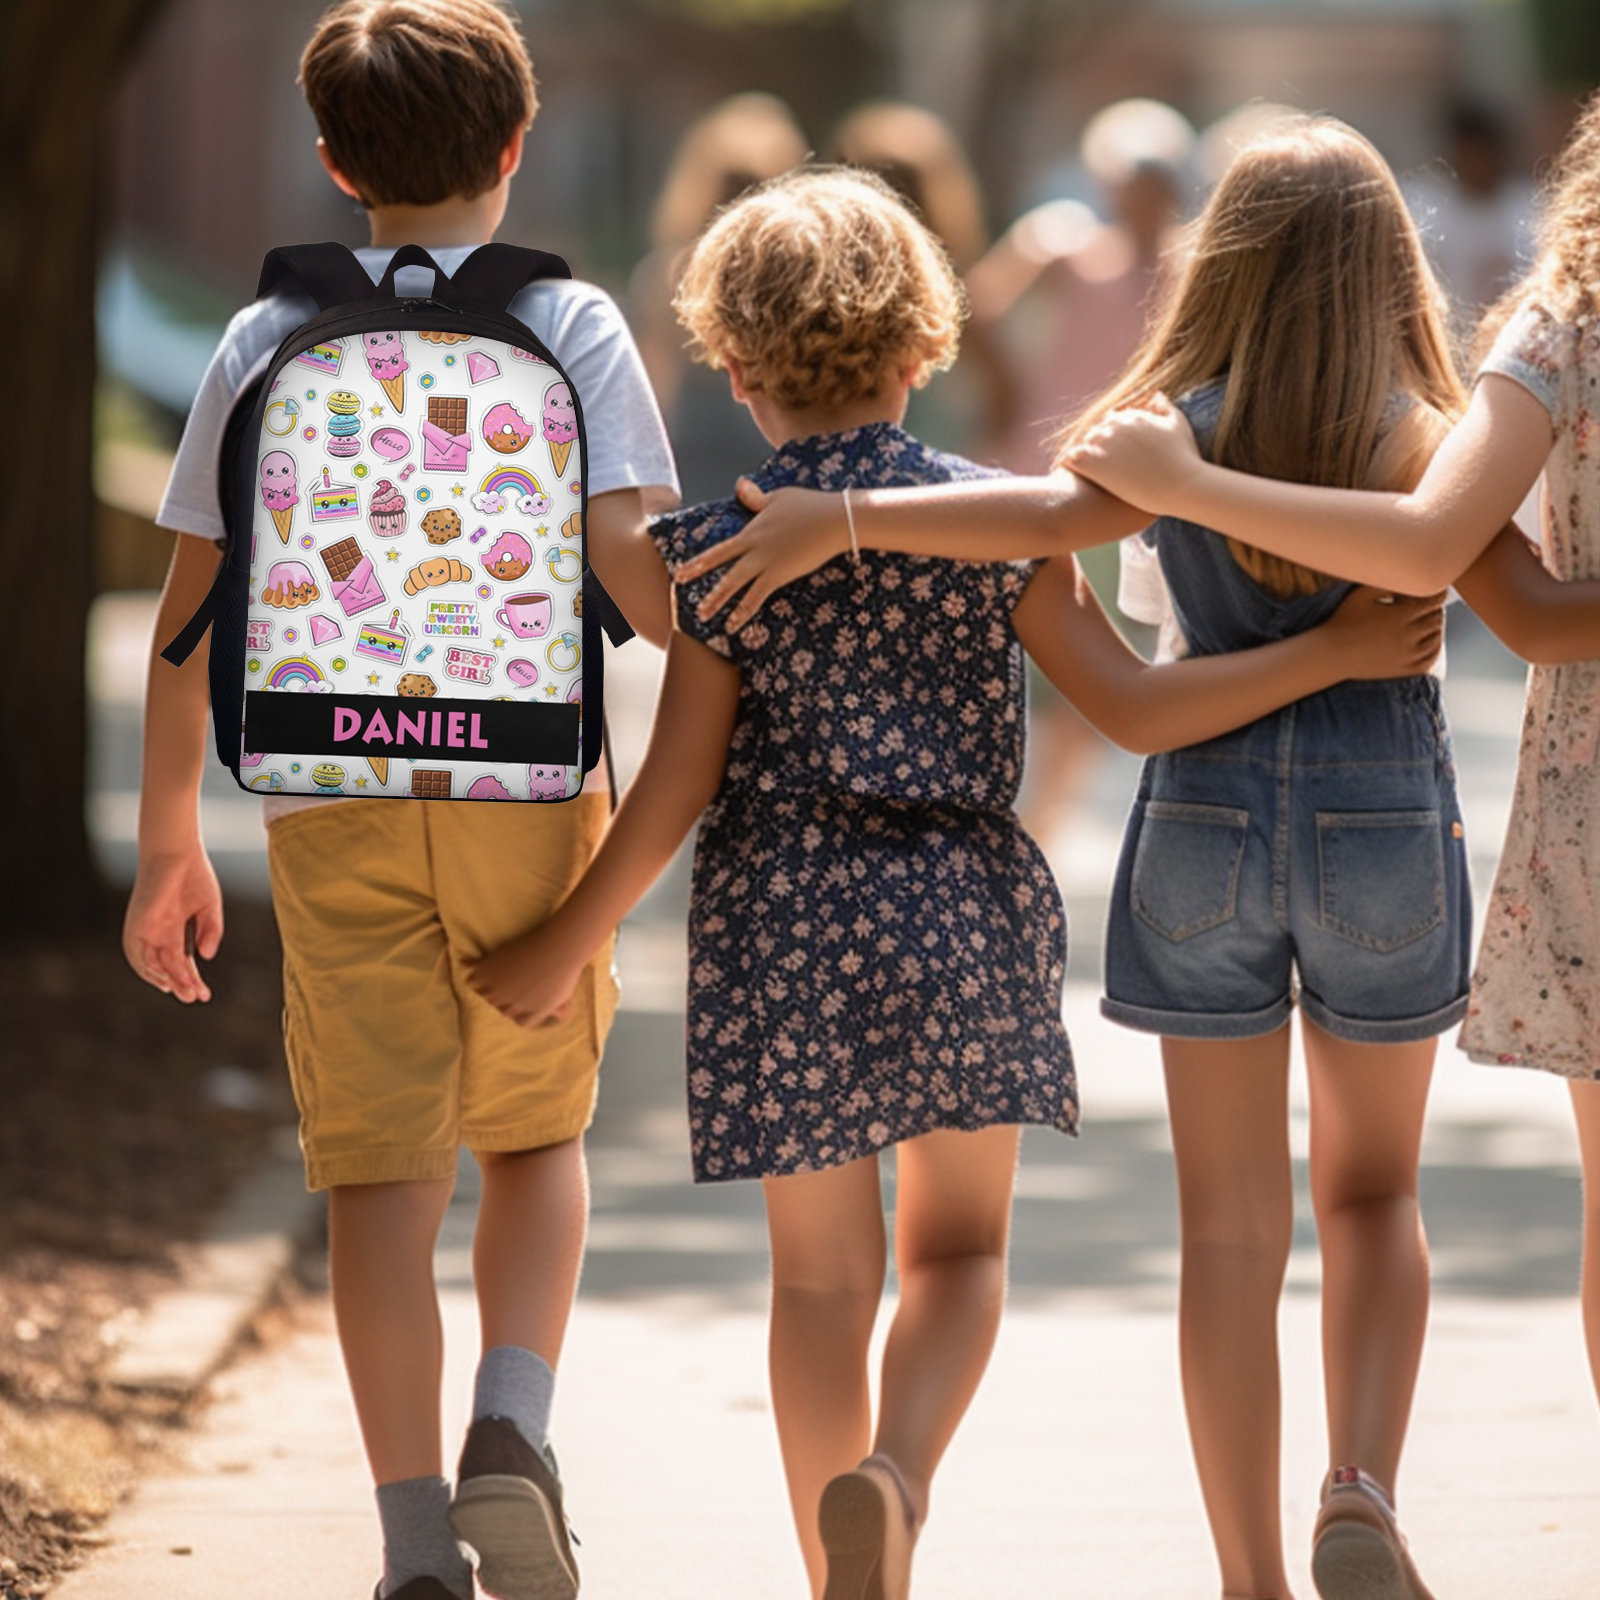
(1565, 278)
(1305, 282)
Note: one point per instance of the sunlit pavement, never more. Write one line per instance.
(1071, 1475)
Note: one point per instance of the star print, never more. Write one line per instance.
(392, 555)
(499, 643)
(372, 678)
(457, 490)
(377, 411)
(361, 783)
(543, 530)
(550, 688)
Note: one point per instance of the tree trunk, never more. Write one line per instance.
(59, 67)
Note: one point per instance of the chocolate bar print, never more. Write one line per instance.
(448, 412)
(429, 784)
(341, 559)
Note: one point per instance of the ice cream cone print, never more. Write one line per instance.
(380, 768)
(280, 486)
(386, 362)
(559, 424)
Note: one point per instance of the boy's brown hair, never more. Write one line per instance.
(823, 287)
(416, 99)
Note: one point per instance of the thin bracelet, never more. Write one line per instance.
(850, 523)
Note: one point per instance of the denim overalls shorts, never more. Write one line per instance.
(1316, 852)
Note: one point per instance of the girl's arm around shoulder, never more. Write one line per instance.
(532, 978)
(1528, 608)
(1415, 542)
(1149, 708)
(795, 531)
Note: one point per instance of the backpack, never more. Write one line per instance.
(405, 606)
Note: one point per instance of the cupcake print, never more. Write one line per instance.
(386, 512)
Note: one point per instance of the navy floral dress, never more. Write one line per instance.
(876, 948)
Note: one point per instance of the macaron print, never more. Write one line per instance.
(344, 423)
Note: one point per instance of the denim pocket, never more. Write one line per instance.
(1186, 866)
(1381, 876)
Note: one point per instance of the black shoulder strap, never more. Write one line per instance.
(329, 273)
(493, 273)
(193, 631)
(618, 629)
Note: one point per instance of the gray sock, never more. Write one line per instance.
(518, 1385)
(417, 1537)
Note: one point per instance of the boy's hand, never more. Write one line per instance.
(1142, 456)
(794, 532)
(1383, 635)
(531, 979)
(174, 914)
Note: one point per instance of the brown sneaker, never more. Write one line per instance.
(424, 1588)
(868, 1526)
(507, 1507)
(1357, 1550)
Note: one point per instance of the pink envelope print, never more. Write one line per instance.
(361, 590)
(445, 439)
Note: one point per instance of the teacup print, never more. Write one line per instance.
(526, 615)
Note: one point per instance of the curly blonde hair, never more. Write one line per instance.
(1565, 277)
(823, 287)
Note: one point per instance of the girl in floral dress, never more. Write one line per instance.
(876, 948)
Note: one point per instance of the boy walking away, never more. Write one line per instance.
(395, 1060)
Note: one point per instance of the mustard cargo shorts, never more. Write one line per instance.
(395, 1060)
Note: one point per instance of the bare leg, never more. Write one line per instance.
(1228, 1103)
(1367, 1106)
(380, 1257)
(1586, 1108)
(828, 1258)
(952, 1225)
(528, 1246)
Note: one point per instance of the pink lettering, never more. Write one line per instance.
(457, 722)
(436, 717)
(346, 723)
(377, 729)
(418, 728)
(476, 741)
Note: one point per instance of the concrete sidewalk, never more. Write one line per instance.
(1071, 1476)
(1072, 1473)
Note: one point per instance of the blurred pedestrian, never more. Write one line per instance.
(744, 140)
(1067, 296)
(1475, 210)
(395, 1062)
(973, 407)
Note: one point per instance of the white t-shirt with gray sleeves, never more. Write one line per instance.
(578, 323)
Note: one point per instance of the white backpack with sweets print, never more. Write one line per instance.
(405, 605)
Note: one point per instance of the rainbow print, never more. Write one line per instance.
(295, 673)
(323, 357)
(513, 482)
